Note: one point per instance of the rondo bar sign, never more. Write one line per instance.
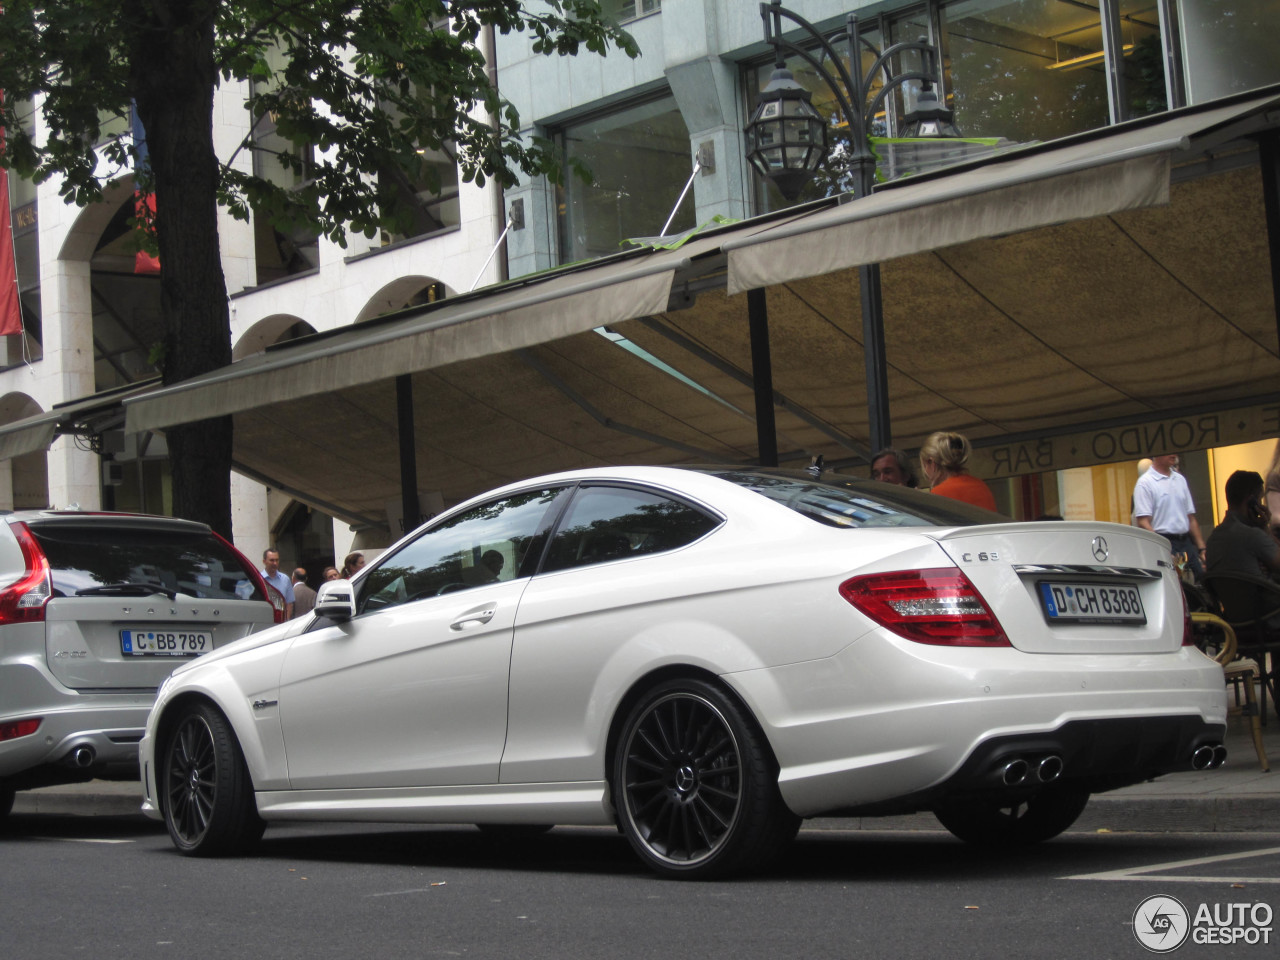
(1132, 442)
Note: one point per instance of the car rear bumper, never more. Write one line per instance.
(81, 734)
(890, 726)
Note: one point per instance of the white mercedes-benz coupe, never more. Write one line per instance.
(702, 656)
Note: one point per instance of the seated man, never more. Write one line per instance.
(1241, 543)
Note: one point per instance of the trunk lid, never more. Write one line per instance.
(1074, 588)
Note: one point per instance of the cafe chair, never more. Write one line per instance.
(1237, 671)
(1248, 603)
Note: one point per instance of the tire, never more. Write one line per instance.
(696, 786)
(6, 801)
(1004, 824)
(205, 786)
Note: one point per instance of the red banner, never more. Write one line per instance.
(10, 307)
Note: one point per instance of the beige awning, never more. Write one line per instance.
(86, 416)
(1090, 175)
(516, 316)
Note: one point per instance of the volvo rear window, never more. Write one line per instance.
(104, 559)
(850, 502)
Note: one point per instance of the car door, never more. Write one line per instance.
(614, 570)
(413, 690)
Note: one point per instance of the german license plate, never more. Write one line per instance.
(1092, 603)
(165, 643)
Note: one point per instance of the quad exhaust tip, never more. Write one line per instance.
(1019, 770)
(1208, 756)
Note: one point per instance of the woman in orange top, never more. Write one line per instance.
(942, 459)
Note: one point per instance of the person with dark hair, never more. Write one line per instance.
(943, 461)
(891, 465)
(1242, 543)
(352, 563)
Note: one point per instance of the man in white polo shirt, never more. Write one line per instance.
(1162, 502)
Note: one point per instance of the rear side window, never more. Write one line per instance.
(611, 523)
(851, 503)
(96, 559)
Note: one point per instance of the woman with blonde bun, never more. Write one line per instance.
(942, 459)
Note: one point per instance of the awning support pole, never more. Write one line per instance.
(762, 377)
(1269, 154)
(876, 366)
(408, 455)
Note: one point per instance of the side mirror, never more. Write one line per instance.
(335, 600)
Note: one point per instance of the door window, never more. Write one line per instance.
(482, 545)
(611, 523)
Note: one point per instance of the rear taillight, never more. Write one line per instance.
(23, 601)
(940, 607)
(13, 729)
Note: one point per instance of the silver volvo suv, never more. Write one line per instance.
(96, 609)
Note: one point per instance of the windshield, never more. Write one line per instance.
(850, 502)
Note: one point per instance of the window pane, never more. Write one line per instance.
(1024, 69)
(610, 523)
(1228, 45)
(640, 159)
(484, 544)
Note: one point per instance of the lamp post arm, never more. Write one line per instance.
(929, 72)
(893, 84)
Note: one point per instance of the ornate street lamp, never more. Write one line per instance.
(787, 143)
(787, 138)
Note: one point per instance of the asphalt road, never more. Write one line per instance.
(113, 887)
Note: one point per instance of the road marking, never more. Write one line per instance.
(79, 840)
(1145, 873)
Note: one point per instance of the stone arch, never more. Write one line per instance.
(269, 330)
(404, 292)
(24, 480)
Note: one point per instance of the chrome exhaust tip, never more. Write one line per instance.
(81, 757)
(1014, 772)
(1049, 769)
(1219, 756)
(1202, 759)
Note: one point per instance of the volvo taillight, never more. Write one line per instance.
(13, 729)
(937, 606)
(23, 601)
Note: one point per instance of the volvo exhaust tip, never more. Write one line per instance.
(1014, 772)
(81, 757)
(1049, 769)
(1202, 759)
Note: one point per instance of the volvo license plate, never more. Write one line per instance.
(150, 642)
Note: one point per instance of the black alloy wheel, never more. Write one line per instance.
(695, 784)
(205, 786)
(1005, 823)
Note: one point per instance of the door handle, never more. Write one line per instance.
(474, 618)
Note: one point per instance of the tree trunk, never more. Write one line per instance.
(173, 67)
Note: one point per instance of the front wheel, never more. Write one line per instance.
(995, 823)
(696, 786)
(208, 797)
